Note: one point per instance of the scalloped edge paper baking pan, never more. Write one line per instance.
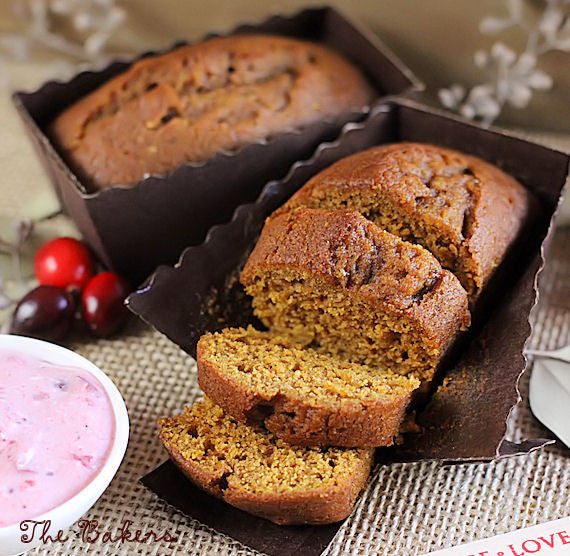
(465, 419)
(134, 229)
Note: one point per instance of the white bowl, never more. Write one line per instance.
(66, 514)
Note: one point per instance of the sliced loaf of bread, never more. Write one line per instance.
(466, 211)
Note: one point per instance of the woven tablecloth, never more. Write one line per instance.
(408, 509)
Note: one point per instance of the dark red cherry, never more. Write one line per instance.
(46, 312)
(102, 302)
(64, 262)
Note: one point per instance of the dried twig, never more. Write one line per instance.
(23, 230)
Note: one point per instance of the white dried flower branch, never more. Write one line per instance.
(94, 21)
(512, 77)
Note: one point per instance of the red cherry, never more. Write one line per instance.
(46, 312)
(64, 262)
(102, 301)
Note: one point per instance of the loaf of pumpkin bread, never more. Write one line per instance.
(464, 210)
(251, 469)
(198, 100)
(300, 395)
(334, 281)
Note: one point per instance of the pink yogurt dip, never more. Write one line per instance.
(56, 429)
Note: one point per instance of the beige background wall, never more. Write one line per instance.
(436, 38)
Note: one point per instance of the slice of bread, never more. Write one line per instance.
(300, 395)
(251, 469)
(334, 281)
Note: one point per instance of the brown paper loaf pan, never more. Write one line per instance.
(465, 420)
(134, 229)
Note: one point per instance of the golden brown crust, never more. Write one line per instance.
(301, 396)
(344, 252)
(327, 501)
(466, 211)
(349, 252)
(188, 104)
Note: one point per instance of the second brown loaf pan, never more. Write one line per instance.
(465, 419)
(134, 229)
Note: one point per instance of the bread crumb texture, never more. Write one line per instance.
(334, 281)
(268, 363)
(300, 394)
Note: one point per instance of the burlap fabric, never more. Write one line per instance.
(408, 509)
